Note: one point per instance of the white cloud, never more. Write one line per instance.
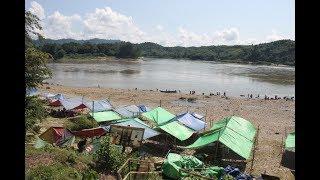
(59, 26)
(37, 9)
(159, 27)
(108, 24)
(228, 35)
(274, 36)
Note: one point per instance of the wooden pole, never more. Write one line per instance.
(160, 102)
(254, 149)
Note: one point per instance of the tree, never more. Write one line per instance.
(35, 72)
(60, 54)
(36, 69)
(127, 50)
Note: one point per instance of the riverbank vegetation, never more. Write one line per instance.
(277, 52)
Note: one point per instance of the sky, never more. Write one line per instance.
(168, 22)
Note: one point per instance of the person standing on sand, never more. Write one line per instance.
(224, 94)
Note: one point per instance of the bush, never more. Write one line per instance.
(79, 123)
(108, 157)
(34, 112)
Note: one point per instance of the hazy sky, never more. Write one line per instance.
(168, 22)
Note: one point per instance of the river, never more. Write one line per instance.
(173, 74)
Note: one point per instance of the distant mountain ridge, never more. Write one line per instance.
(64, 41)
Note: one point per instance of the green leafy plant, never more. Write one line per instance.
(108, 157)
(79, 123)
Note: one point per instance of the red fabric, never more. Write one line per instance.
(89, 133)
(58, 132)
(56, 103)
(81, 106)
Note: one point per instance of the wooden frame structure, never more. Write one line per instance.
(125, 171)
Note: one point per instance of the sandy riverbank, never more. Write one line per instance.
(272, 116)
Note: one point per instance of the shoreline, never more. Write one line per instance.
(101, 59)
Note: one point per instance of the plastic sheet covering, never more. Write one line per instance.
(99, 105)
(105, 116)
(72, 103)
(158, 115)
(174, 162)
(129, 111)
(290, 142)
(234, 132)
(177, 130)
(190, 121)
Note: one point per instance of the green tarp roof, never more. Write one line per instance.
(177, 130)
(158, 115)
(105, 116)
(234, 132)
(290, 142)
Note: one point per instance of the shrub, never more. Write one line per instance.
(54, 171)
(34, 111)
(108, 157)
(79, 123)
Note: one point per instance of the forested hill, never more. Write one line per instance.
(64, 41)
(277, 52)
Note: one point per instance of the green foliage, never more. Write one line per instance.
(34, 111)
(108, 157)
(81, 122)
(127, 50)
(65, 165)
(279, 52)
(31, 25)
(55, 171)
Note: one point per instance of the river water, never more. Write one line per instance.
(184, 75)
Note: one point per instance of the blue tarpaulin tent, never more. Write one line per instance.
(148, 131)
(98, 105)
(129, 111)
(31, 91)
(190, 121)
(144, 108)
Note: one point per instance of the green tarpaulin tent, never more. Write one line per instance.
(177, 130)
(290, 142)
(105, 116)
(234, 132)
(174, 162)
(158, 116)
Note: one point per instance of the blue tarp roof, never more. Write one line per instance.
(190, 121)
(48, 95)
(144, 108)
(99, 105)
(31, 91)
(71, 103)
(129, 111)
(148, 131)
(54, 97)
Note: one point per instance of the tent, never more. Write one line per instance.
(105, 116)
(144, 108)
(234, 132)
(55, 100)
(158, 116)
(57, 135)
(73, 103)
(288, 157)
(98, 105)
(31, 91)
(199, 116)
(89, 133)
(174, 162)
(191, 121)
(135, 122)
(128, 111)
(177, 130)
